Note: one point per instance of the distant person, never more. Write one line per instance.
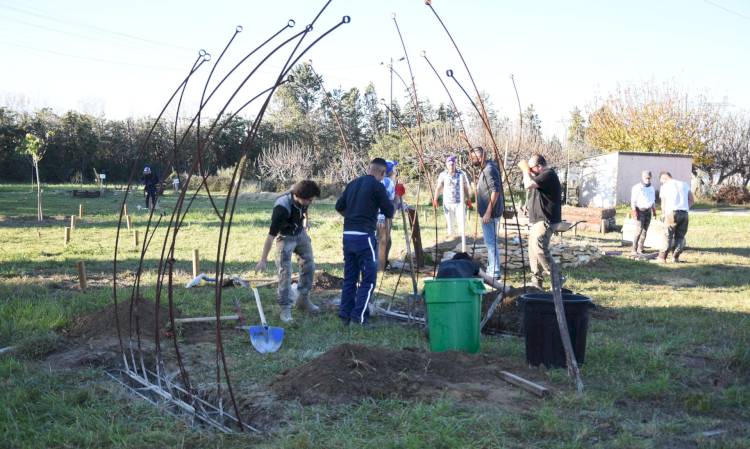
(642, 207)
(175, 182)
(150, 183)
(676, 201)
(454, 186)
(360, 204)
(544, 207)
(489, 205)
(289, 230)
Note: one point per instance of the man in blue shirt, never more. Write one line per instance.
(360, 204)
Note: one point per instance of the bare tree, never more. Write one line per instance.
(728, 153)
(287, 162)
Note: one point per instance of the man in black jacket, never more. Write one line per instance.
(360, 203)
(288, 229)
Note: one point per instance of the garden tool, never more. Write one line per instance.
(264, 338)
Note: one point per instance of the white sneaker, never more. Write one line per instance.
(286, 314)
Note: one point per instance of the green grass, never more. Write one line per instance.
(672, 364)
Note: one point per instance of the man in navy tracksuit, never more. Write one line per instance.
(360, 203)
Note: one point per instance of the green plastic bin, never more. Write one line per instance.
(453, 313)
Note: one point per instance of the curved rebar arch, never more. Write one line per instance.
(181, 208)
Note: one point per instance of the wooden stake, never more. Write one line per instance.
(72, 222)
(128, 221)
(135, 238)
(562, 322)
(203, 319)
(80, 211)
(82, 282)
(525, 384)
(125, 209)
(196, 263)
(66, 240)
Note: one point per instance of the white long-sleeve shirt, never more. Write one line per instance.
(642, 197)
(674, 196)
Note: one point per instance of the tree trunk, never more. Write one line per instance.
(39, 215)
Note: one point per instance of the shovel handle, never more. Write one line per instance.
(260, 307)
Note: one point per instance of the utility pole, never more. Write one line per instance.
(390, 105)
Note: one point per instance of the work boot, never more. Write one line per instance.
(304, 303)
(286, 314)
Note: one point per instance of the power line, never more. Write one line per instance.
(725, 9)
(88, 58)
(93, 27)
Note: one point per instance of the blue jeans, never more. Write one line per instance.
(360, 266)
(489, 231)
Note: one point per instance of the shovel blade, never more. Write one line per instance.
(266, 339)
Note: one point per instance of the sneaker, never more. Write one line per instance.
(659, 260)
(286, 314)
(304, 303)
(345, 321)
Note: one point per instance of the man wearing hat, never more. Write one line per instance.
(490, 206)
(360, 204)
(454, 186)
(150, 181)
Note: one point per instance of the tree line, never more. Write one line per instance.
(328, 135)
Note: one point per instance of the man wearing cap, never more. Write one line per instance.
(676, 201)
(360, 204)
(643, 207)
(288, 229)
(150, 181)
(545, 211)
(454, 186)
(489, 205)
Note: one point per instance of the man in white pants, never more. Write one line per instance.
(455, 188)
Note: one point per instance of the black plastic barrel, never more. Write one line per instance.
(542, 333)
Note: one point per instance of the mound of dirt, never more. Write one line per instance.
(326, 281)
(104, 322)
(350, 372)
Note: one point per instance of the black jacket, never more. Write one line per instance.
(360, 202)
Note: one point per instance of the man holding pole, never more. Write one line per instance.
(360, 203)
(545, 210)
(489, 205)
(454, 186)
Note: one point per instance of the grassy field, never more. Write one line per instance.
(669, 369)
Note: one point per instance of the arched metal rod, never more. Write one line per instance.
(234, 194)
(418, 112)
(465, 136)
(485, 120)
(196, 65)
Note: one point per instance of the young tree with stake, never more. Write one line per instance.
(35, 148)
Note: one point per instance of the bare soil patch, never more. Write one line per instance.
(105, 322)
(351, 372)
(326, 281)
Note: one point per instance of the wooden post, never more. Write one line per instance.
(66, 239)
(196, 263)
(80, 211)
(72, 222)
(125, 209)
(128, 221)
(82, 275)
(416, 236)
(135, 239)
(562, 323)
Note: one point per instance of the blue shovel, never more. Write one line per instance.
(264, 338)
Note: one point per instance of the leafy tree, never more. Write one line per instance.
(576, 128)
(652, 118)
(35, 147)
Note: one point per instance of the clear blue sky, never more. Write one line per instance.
(124, 58)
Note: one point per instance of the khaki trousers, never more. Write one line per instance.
(539, 257)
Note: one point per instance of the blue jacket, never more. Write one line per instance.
(360, 203)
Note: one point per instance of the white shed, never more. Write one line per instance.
(606, 180)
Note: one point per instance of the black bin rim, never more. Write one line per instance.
(546, 297)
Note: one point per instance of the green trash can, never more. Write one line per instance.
(453, 313)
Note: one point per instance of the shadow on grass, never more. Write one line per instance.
(618, 269)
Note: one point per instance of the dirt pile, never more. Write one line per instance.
(350, 372)
(326, 281)
(104, 322)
